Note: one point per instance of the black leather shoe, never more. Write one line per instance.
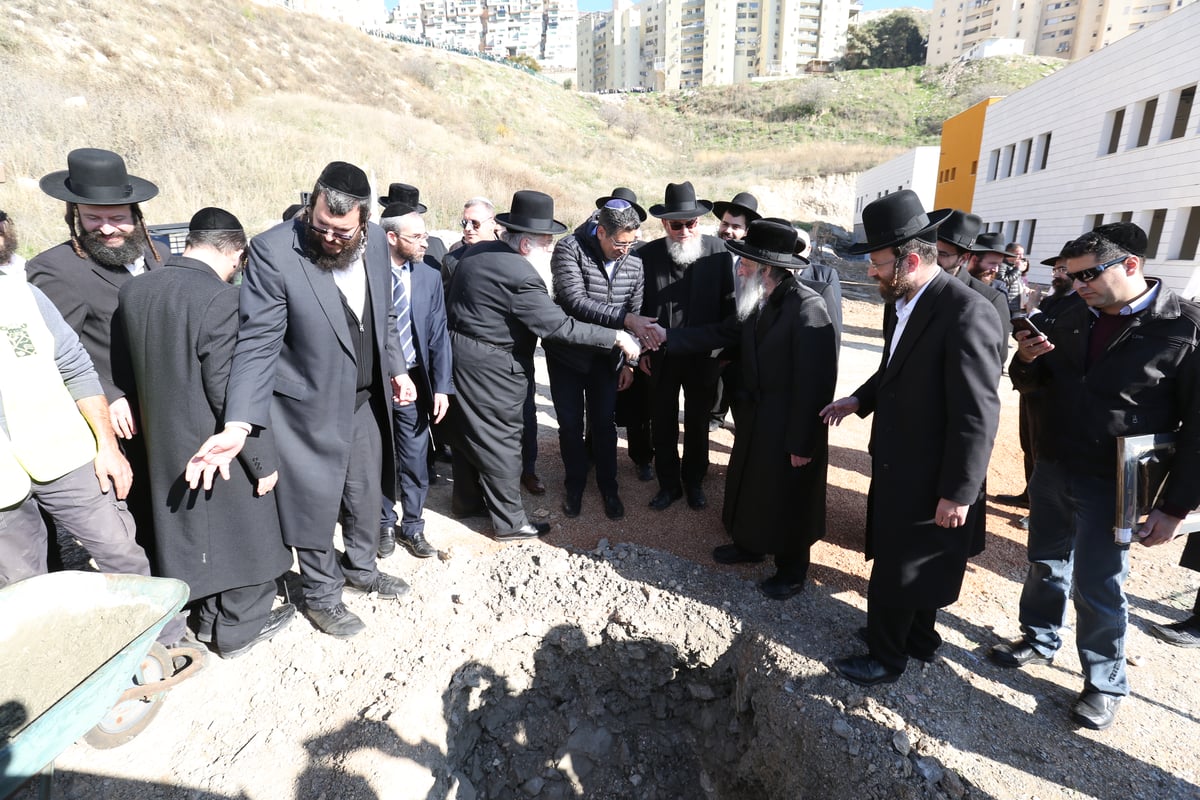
(662, 501)
(1018, 654)
(613, 507)
(696, 499)
(865, 671)
(442, 454)
(416, 545)
(277, 620)
(387, 541)
(388, 587)
(732, 554)
(645, 472)
(1020, 500)
(531, 531)
(572, 504)
(1180, 634)
(1095, 710)
(533, 484)
(458, 512)
(336, 620)
(928, 658)
(781, 587)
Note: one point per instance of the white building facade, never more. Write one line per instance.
(915, 170)
(1115, 136)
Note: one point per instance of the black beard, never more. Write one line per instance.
(1060, 285)
(119, 256)
(327, 263)
(900, 285)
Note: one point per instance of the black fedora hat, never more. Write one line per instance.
(97, 178)
(403, 193)
(679, 202)
(621, 193)
(896, 218)
(1053, 260)
(960, 228)
(770, 241)
(743, 204)
(531, 212)
(991, 242)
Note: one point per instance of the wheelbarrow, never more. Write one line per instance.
(70, 642)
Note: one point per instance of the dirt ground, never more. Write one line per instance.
(614, 659)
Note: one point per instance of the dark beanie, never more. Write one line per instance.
(347, 179)
(214, 219)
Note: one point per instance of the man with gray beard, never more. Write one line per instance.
(688, 283)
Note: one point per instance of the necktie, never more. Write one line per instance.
(403, 316)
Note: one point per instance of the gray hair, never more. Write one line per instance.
(480, 201)
(393, 223)
(221, 241)
(618, 219)
(340, 203)
(514, 238)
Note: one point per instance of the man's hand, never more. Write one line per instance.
(1160, 528)
(644, 366)
(625, 377)
(441, 404)
(215, 455)
(1030, 347)
(799, 461)
(113, 470)
(628, 345)
(835, 412)
(644, 328)
(404, 391)
(658, 335)
(950, 514)
(121, 414)
(267, 483)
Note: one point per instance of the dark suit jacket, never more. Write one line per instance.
(435, 251)
(294, 371)
(432, 340)
(85, 293)
(999, 301)
(825, 281)
(936, 412)
(175, 334)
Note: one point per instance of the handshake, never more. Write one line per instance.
(641, 333)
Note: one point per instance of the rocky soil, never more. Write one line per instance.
(614, 660)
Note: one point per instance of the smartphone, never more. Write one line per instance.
(1021, 322)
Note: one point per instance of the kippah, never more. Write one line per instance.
(1125, 235)
(346, 178)
(214, 219)
(397, 210)
(617, 203)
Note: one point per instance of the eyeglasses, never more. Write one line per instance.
(323, 232)
(621, 245)
(1057, 270)
(414, 237)
(878, 267)
(1091, 273)
(680, 224)
(474, 223)
(944, 254)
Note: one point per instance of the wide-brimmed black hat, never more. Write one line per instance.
(896, 218)
(679, 202)
(347, 179)
(97, 178)
(992, 242)
(621, 193)
(743, 204)
(959, 228)
(1125, 235)
(403, 193)
(531, 212)
(1053, 260)
(212, 218)
(398, 210)
(770, 241)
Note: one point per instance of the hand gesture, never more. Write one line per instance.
(835, 412)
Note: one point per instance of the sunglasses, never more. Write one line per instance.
(345, 237)
(1091, 273)
(472, 223)
(680, 224)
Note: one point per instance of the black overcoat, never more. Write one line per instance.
(176, 332)
(936, 411)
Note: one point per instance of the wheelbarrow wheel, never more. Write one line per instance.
(128, 718)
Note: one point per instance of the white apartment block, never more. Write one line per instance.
(1069, 29)
(667, 45)
(1115, 136)
(542, 29)
(915, 169)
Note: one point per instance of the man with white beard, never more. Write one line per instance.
(497, 308)
(688, 283)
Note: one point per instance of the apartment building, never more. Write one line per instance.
(1115, 136)
(1069, 29)
(667, 45)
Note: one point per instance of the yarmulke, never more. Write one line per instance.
(214, 219)
(398, 210)
(347, 179)
(1125, 235)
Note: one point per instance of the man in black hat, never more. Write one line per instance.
(173, 359)
(775, 485)
(936, 411)
(1126, 364)
(318, 361)
(988, 254)
(409, 195)
(955, 238)
(688, 282)
(735, 218)
(497, 308)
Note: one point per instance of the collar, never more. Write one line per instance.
(904, 307)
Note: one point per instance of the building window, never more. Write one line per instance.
(993, 165)
(974, 167)
(1183, 111)
(1191, 235)
(1148, 110)
(1154, 231)
(1117, 121)
(1126, 216)
(1006, 160)
(1023, 154)
(1027, 231)
(1097, 221)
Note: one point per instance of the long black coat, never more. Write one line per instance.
(999, 302)
(178, 327)
(497, 308)
(788, 366)
(936, 412)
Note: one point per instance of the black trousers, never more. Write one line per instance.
(500, 494)
(232, 618)
(410, 424)
(633, 414)
(895, 632)
(697, 377)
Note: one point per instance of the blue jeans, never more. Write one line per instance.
(1071, 544)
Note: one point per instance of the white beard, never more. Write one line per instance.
(540, 258)
(749, 293)
(685, 253)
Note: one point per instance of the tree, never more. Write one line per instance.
(526, 61)
(896, 40)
